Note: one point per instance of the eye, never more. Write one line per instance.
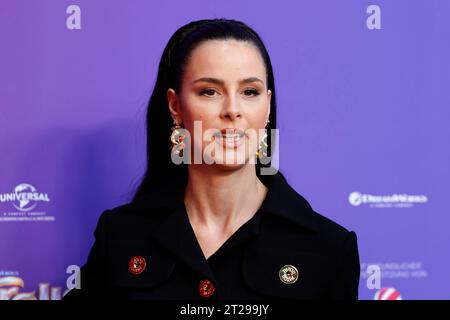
(251, 92)
(207, 92)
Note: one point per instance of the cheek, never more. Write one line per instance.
(194, 109)
(258, 118)
(257, 113)
(197, 113)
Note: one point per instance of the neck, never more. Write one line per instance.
(223, 199)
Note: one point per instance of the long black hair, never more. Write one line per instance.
(171, 67)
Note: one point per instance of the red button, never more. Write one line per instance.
(206, 288)
(137, 265)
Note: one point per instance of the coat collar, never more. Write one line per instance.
(175, 233)
(281, 200)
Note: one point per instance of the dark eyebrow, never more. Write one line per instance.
(221, 82)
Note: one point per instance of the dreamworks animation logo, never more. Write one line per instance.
(386, 201)
(25, 197)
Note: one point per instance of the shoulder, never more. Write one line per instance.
(297, 216)
(129, 222)
(293, 233)
(330, 229)
(137, 218)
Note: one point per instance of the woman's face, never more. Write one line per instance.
(224, 87)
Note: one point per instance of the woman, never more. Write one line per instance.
(211, 227)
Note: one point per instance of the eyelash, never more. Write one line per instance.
(254, 92)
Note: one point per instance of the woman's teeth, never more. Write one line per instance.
(231, 136)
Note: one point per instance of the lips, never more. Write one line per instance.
(232, 132)
(230, 137)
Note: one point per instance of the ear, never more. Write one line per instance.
(173, 102)
(269, 97)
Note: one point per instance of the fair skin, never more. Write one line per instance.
(220, 198)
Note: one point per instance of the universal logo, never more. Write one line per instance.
(386, 201)
(25, 198)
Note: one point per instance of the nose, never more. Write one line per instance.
(231, 109)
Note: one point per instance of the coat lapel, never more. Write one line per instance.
(175, 233)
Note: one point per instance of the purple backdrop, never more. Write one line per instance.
(363, 117)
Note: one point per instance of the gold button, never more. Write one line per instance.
(288, 274)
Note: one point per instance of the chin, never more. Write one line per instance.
(234, 161)
(229, 167)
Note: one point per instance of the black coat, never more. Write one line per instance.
(254, 263)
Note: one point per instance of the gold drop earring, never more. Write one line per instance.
(177, 138)
(262, 148)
